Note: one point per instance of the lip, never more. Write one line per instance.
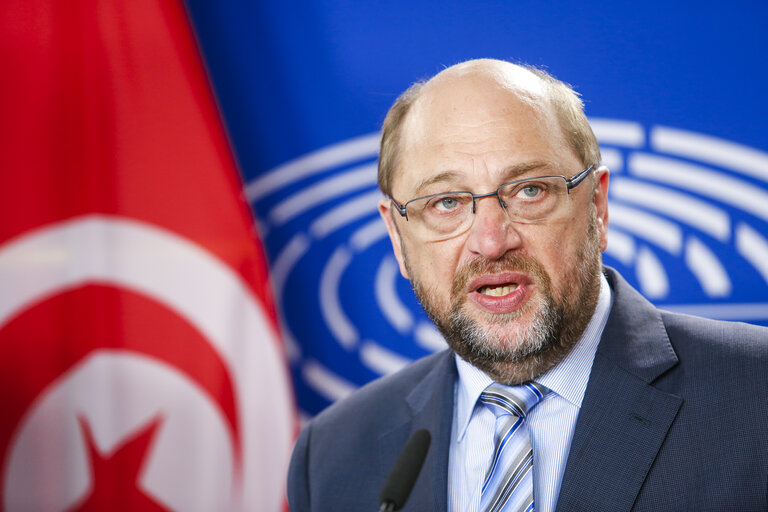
(506, 303)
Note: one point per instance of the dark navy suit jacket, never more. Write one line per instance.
(674, 418)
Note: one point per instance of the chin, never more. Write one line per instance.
(504, 337)
(509, 331)
(512, 347)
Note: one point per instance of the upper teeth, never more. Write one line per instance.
(498, 291)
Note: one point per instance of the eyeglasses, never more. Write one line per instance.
(441, 216)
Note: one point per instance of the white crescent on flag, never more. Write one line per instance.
(139, 350)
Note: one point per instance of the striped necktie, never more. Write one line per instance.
(508, 485)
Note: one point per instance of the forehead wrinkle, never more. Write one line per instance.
(473, 114)
(508, 174)
(437, 178)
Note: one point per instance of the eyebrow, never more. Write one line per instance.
(437, 178)
(515, 171)
(508, 174)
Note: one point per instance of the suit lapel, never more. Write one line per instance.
(623, 419)
(621, 427)
(431, 406)
(622, 423)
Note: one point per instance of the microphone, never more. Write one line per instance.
(405, 471)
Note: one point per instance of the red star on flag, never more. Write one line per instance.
(134, 284)
(115, 477)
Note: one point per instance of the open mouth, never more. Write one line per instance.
(498, 290)
(500, 293)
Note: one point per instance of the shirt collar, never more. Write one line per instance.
(472, 382)
(567, 379)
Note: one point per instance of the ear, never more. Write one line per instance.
(386, 212)
(601, 204)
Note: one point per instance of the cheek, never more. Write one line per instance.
(551, 242)
(555, 249)
(434, 264)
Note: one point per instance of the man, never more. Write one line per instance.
(615, 405)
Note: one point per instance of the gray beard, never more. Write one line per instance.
(478, 346)
(555, 329)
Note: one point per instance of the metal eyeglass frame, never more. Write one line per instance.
(570, 183)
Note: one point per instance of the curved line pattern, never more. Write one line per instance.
(50, 452)
(630, 226)
(368, 235)
(325, 382)
(385, 290)
(613, 159)
(365, 146)
(706, 148)
(428, 337)
(703, 216)
(293, 251)
(742, 312)
(620, 246)
(182, 275)
(346, 213)
(651, 274)
(707, 268)
(330, 306)
(754, 247)
(619, 133)
(381, 360)
(656, 230)
(702, 180)
(292, 346)
(330, 188)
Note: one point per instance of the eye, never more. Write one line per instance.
(446, 203)
(530, 191)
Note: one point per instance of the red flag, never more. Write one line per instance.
(139, 361)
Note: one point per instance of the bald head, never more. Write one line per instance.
(472, 91)
(518, 80)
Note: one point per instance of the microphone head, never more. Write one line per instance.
(406, 470)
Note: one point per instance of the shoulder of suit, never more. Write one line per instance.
(716, 333)
(385, 392)
(719, 350)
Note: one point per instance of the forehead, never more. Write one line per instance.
(473, 129)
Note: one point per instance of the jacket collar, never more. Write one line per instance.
(430, 404)
(624, 419)
(634, 337)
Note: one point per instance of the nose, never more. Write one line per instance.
(492, 234)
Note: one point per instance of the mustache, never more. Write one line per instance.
(509, 262)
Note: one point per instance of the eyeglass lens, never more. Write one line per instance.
(445, 215)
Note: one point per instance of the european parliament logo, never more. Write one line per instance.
(688, 227)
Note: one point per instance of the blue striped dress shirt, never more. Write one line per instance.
(551, 423)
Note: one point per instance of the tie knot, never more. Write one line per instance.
(516, 400)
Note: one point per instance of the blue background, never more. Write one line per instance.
(295, 77)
